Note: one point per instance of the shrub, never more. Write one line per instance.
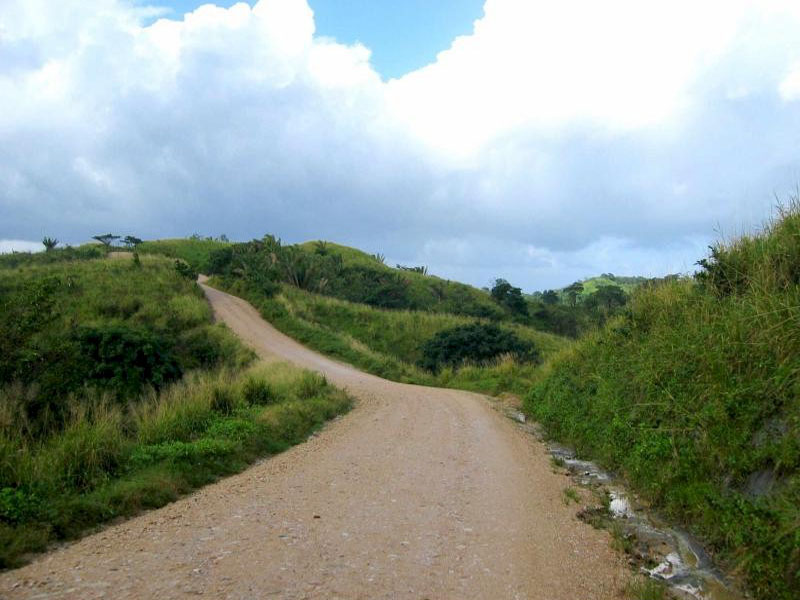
(476, 342)
(126, 359)
(257, 392)
(185, 270)
(211, 346)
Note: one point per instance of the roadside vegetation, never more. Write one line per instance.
(392, 343)
(688, 387)
(194, 251)
(118, 393)
(693, 394)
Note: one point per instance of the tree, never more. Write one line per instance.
(131, 241)
(573, 291)
(477, 343)
(609, 296)
(550, 297)
(106, 239)
(49, 243)
(509, 296)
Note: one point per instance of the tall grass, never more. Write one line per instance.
(695, 396)
(110, 460)
(194, 251)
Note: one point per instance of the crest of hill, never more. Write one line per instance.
(628, 284)
(425, 292)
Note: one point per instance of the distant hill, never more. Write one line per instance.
(591, 284)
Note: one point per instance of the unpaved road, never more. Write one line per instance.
(417, 493)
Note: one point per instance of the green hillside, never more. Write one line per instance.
(388, 342)
(118, 393)
(628, 284)
(694, 395)
(195, 250)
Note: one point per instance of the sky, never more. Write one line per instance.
(537, 141)
(402, 36)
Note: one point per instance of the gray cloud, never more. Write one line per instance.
(241, 122)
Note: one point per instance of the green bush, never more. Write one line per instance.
(126, 359)
(185, 270)
(17, 506)
(475, 343)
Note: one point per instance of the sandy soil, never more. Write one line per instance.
(416, 493)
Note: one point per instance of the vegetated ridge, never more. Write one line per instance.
(694, 395)
(350, 305)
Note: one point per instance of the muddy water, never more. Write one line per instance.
(661, 551)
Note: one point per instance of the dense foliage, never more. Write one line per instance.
(474, 343)
(694, 394)
(109, 461)
(347, 274)
(108, 325)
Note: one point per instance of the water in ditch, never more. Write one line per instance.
(661, 551)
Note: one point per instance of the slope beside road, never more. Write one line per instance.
(417, 493)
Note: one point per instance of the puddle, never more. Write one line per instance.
(662, 552)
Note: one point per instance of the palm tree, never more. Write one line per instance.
(49, 243)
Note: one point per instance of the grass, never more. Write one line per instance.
(570, 495)
(694, 395)
(147, 317)
(628, 284)
(112, 461)
(194, 251)
(644, 588)
(82, 441)
(57, 255)
(387, 342)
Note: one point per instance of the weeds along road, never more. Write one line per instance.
(417, 493)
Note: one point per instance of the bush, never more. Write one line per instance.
(476, 342)
(185, 270)
(127, 359)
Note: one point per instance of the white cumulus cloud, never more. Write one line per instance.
(555, 141)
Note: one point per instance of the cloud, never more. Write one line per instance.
(7, 246)
(556, 141)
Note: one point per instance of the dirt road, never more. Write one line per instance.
(417, 493)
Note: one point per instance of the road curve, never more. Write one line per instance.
(417, 493)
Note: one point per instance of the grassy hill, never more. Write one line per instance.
(388, 342)
(694, 395)
(350, 305)
(195, 251)
(628, 284)
(117, 393)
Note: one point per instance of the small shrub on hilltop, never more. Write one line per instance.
(476, 342)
